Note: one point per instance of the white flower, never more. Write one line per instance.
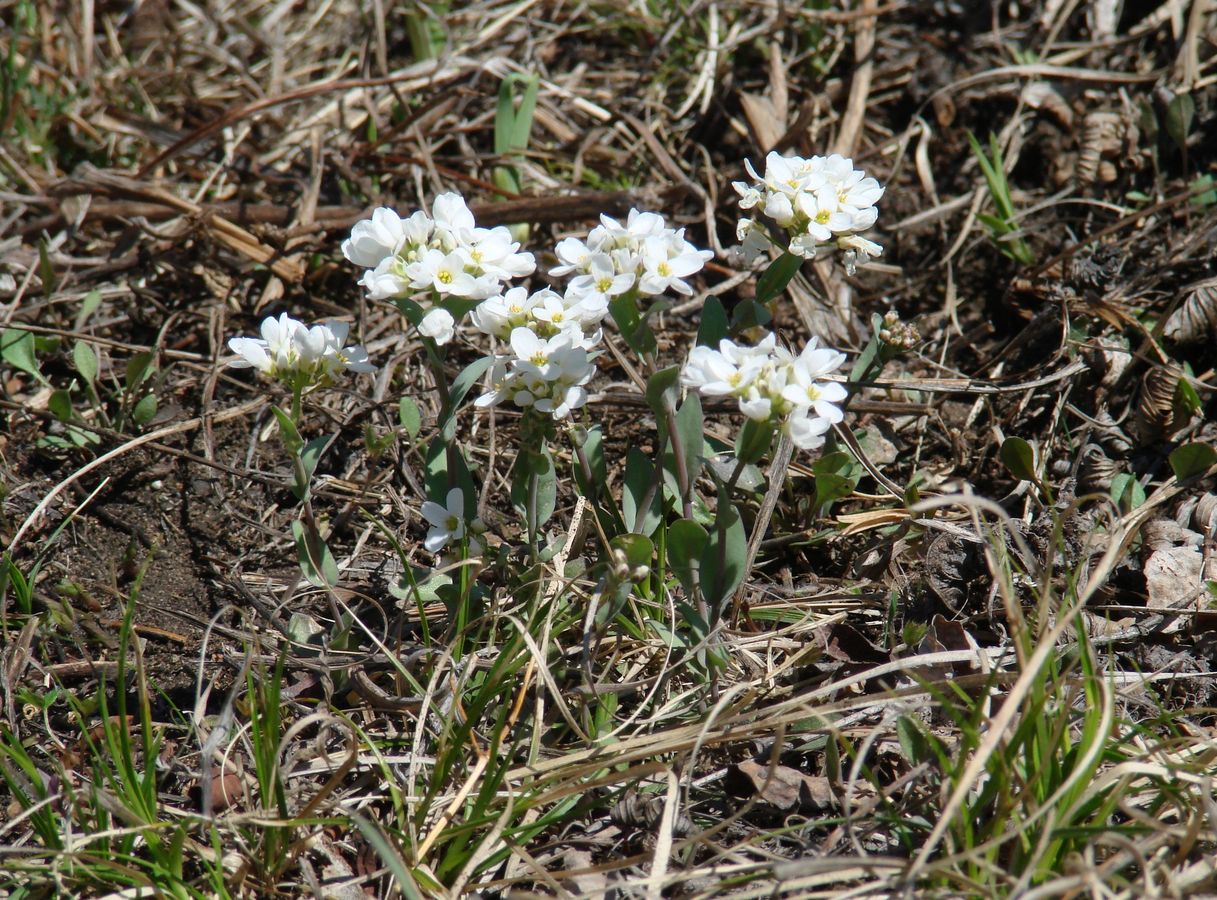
(447, 522)
(443, 273)
(602, 281)
(450, 212)
(858, 250)
(438, 325)
(666, 262)
(373, 239)
(806, 433)
(560, 404)
(493, 253)
(498, 315)
(806, 388)
(714, 373)
(388, 280)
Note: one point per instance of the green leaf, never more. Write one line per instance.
(317, 563)
(686, 547)
(690, 433)
(410, 417)
(456, 393)
(541, 465)
(437, 478)
(593, 451)
(138, 368)
(638, 476)
(46, 271)
(88, 306)
(749, 314)
(1126, 491)
(145, 410)
(1186, 401)
(310, 453)
(17, 349)
(1018, 456)
(836, 477)
(637, 548)
(1192, 459)
(661, 387)
(288, 430)
(775, 278)
(60, 405)
(915, 742)
(84, 358)
(722, 568)
(753, 440)
(714, 324)
(1179, 115)
(631, 323)
(512, 122)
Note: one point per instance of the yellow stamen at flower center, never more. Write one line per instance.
(813, 393)
(538, 358)
(444, 277)
(556, 317)
(735, 378)
(515, 309)
(664, 269)
(604, 284)
(452, 523)
(822, 216)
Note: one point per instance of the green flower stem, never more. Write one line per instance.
(678, 457)
(313, 540)
(534, 481)
(297, 404)
(777, 480)
(712, 617)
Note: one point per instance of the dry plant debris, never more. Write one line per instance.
(943, 623)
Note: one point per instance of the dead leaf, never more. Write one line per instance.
(870, 518)
(781, 787)
(1173, 577)
(768, 124)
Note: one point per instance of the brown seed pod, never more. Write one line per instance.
(1195, 320)
(1097, 470)
(1204, 515)
(1102, 136)
(1155, 410)
(635, 811)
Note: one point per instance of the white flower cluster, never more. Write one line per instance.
(297, 354)
(545, 313)
(772, 384)
(442, 255)
(546, 374)
(553, 336)
(644, 253)
(819, 201)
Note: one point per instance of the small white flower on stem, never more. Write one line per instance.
(438, 325)
(373, 239)
(447, 522)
